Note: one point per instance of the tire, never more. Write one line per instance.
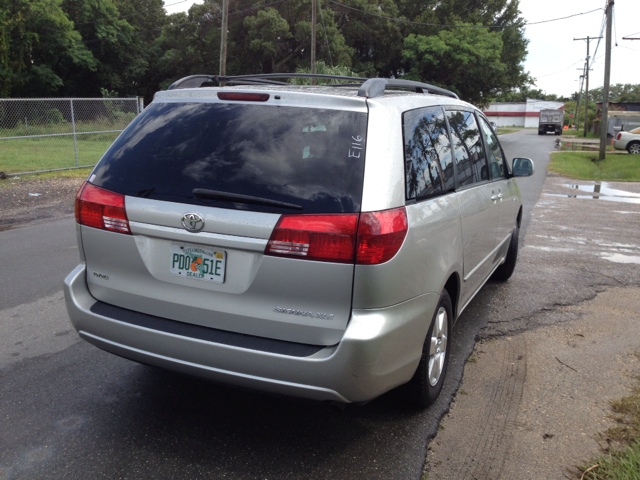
(425, 386)
(504, 271)
(633, 148)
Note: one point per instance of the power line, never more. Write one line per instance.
(560, 71)
(172, 4)
(563, 18)
(442, 25)
(604, 20)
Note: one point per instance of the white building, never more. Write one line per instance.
(523, 114)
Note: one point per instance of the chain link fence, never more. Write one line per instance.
(43, 135)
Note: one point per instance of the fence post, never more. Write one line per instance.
(140, 105)
(73, 125)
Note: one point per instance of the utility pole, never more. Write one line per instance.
(607, 78)
(578, 106)
(586, 94)
(313, 40)
(223, 37)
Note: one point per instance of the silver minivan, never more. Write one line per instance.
(316, 241)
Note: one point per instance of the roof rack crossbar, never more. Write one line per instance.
(370, 88)
(300, 75)
(375, 87)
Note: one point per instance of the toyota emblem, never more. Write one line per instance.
(192, 222)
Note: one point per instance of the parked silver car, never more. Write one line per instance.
(316, 241)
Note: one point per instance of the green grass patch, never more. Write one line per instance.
(581, 166)
(622, 463)
(98, 125)
(571, 133)
(503, 131)
(73, 173)
(29, 154)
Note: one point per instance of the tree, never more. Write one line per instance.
(474, 48)
(618, 93)
(465, 60)
(36, 39)
(376, 41)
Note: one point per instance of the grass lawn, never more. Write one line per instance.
(579, 134)
(28, 154)
(579, 165)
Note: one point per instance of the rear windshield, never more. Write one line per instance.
(309, 158)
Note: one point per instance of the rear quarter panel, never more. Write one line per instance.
(431, 252)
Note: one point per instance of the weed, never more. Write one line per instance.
(623, 462)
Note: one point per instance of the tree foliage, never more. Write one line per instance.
(77, 47)
(618, 93)
(37, 38)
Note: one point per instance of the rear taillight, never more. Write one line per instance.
(619, 136)
(327, 238)
(368, 238)
(380, 235)
(100, 208)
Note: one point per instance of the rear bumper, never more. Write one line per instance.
(620, 144)
(380, 350)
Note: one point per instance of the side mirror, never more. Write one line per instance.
(522, 167)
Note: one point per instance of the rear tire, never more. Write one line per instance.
(504, 271)
(633, 148)
(425, 386)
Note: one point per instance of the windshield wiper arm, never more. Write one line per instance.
(203, 193)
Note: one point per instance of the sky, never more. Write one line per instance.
(555, 60)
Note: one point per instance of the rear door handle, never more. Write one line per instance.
(495, 198)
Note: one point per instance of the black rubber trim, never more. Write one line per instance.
(213, 335)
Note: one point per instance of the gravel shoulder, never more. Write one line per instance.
(536, 391)
(26, 201)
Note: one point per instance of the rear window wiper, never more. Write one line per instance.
(204, 194)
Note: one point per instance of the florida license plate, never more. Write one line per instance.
(200, 263)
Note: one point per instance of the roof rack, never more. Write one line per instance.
(369, 87)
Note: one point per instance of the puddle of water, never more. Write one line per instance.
(603, 188)
(550, 249)
(619, 258)
(601, 197)
(579, 147)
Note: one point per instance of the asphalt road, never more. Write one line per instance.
(69, 410)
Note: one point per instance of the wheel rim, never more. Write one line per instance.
(438, 347)
(634, 149)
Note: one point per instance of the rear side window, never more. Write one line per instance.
(309, 158)
(471, 165)
(427, 153)
(496, 157)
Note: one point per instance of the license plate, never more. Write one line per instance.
(200, 263)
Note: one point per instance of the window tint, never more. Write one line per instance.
(496, 164)
(308, 157)
(471, 165)
(427, 153)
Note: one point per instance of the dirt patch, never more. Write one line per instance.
(532, 405)
(27, 201)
